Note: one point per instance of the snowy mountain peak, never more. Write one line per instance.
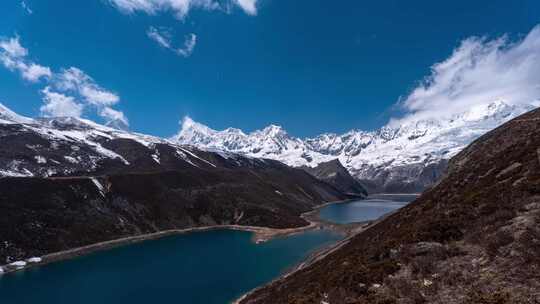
(50, 146)
(194, 132)
(189, 123)
(274, 131)
(235, 131)
(7, 116)
(498, 108)
(118, 124)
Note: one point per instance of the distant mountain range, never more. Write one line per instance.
(399, 157)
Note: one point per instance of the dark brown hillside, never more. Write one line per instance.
(473, 238)
(336, 175)
(45, 215)
(67, 182)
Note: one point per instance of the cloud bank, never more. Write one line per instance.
(163, 38)
(181, 8)
(13, 57)
(68, 92)
(249, 6)
(76, 81)
(59, 105)
(480, 71)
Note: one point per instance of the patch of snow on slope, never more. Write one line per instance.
(98, 185)
(7, 173)
(199, 158)
(34, 260)
(9, 117)
(40, 159)
(184, 157)
(155, 157)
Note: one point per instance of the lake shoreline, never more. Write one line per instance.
(317, 255)
(355, 229)
(260, 235)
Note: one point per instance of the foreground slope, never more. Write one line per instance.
(473, 238)
(69, 182)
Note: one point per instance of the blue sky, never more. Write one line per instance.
(311, 66)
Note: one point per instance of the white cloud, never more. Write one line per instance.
(68, 92)
(114, 115)
(13, 57)
(98, 96)
(59, 105)
(249, 6)
(478, 72)
(77, 81)
(26, 8)
(13, 48)
(180, 8)
(34, 72)
(163, 37)
(189, 45)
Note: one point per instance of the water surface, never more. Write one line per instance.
(363, 210)
(203, 267)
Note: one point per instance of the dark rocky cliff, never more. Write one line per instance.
(336, 175)
(410, 178)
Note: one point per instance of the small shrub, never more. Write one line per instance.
(423, 266)
(500, 239)
(529, 243)
(405, 288)
(478, 297)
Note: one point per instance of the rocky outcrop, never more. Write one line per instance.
(336, 175)
(472, 238)
(407, 178)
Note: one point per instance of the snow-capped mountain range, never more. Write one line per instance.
(406, 157)
(398, 157)
(67, 146)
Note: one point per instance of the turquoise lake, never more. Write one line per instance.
(197, 268)
(363, 210)
(210, 267)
